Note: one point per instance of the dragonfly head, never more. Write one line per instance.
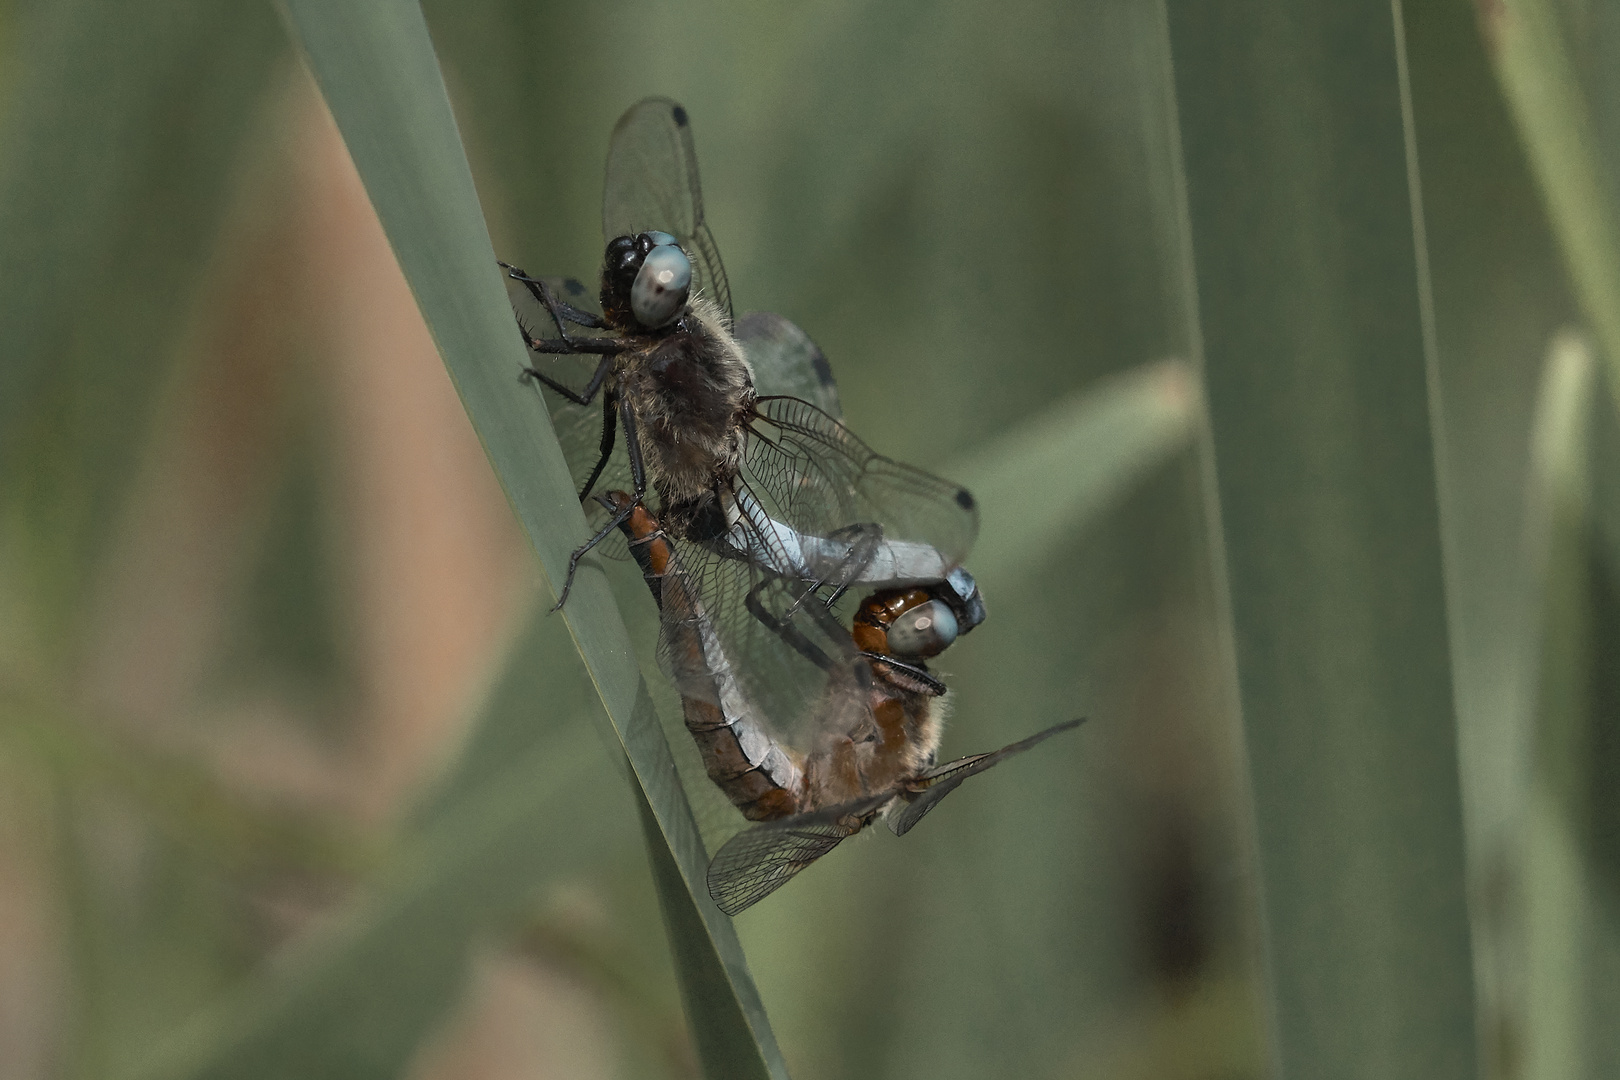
(907, 624)
(646, 280)
(914, 624)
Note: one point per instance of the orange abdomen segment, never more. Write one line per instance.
(747, 785)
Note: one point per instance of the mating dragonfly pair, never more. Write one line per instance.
(771, 516)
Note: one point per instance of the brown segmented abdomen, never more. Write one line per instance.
(877, 731)
(759, 776)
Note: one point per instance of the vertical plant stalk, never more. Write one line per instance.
(1532, 62)
(375, 66)
(1554, 677)
(1569, 859)
(1311, 314)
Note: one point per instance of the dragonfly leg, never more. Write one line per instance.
(784, 629)
(559, 309)
(922, 675)
(632, 446)
(638, 476)
(610, 418)
(578, 397)
(603, 345)
(564, 343)
(585, 549)
(864, 542)
(861, 552)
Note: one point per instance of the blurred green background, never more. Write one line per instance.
(268, 628)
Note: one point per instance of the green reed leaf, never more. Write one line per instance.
(376, 68)
(1308, 261)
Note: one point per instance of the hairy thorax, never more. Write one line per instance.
(895, 738)
(691, 392)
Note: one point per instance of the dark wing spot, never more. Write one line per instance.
(573, 286)
(824, 375)
(964, 498)
(680, 116)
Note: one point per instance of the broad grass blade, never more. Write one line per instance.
(1309, 269)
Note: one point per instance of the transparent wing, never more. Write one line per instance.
(790, 661)
(758, 861)
(786, 362)
(938, 782)
(578, 427)
(572, 370)
(652, 183)
(820, 515)
(808, 471)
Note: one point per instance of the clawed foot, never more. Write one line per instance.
(515, 274)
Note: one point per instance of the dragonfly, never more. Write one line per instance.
(777, 509)
(870, 747)
(880, 715)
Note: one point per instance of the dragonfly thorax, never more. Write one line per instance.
(692, 394)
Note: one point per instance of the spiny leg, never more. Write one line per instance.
(578, 397)
(585, 549)
(609, 429)
(638, 478)
(923, 676)
(565, 344)
(785, 630)
(559, 309)
(863, 539)
(782, 625)
(868, 536)
(855, 561)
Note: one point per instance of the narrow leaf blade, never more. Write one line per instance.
(376, 68)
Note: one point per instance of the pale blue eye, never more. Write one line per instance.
(925, 630)
(661, 239)
(661, 286)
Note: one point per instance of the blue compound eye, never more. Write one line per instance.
(925, 630)
(661, 286)
(661, 239)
